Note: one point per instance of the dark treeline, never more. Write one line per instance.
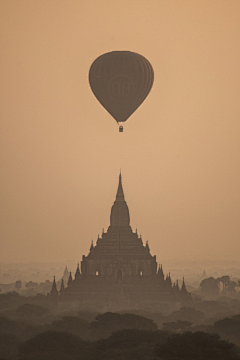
(34, 328)
(115, 336)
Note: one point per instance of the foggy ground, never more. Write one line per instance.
(32, 326)
(40, 272)
(35, 328)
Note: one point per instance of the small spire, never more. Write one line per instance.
(177, 286)
(183, 289)
(147, 246)
(70, 280)
(54, 291)
(169, 279)
(77, 274)
(160, 272)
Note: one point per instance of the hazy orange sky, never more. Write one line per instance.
(61, 152)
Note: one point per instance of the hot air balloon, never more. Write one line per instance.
(121, 80)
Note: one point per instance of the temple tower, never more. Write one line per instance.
(119, 269)
(119, 253)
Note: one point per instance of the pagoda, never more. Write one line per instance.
(119, 272)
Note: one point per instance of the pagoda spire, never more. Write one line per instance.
(91, 247)
(120, 194)
(119, 212)
(77, 274)
(183, 289)
(54, 291)
(70, 279)
(177, 286)
(168, 280)
(160, 272)
(147, 246)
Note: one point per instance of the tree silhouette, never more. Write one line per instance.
(8, 346)
(73, 325)
(224, 280)
(197, 346)
(129, 344)
(31, 284)
(186, 314)
(228, 285)
(229, 328)
(18, 284)
(31, 310)
(177, 326)
(53, 345)
(108, 323)
(231, 285)
(210, 286)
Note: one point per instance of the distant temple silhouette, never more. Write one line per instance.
(119, 272)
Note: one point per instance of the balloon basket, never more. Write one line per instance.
(120, 128)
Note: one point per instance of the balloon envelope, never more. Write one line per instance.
(121, 80)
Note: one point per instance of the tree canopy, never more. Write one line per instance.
(197, 346)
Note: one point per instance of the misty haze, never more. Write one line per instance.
(120, 180)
